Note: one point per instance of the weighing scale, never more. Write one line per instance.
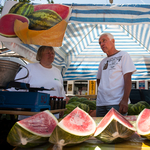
(33, 100)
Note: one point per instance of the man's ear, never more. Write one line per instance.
(113, 40)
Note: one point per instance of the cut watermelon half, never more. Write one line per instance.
(114, 128)
(32, 131)
(143, 123)
(75, 128)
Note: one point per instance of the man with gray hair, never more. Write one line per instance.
(113, 78)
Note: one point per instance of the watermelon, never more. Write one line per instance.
(32, 131)
(143, 123)
(90, 104)
(135, 109)
(75, 128)
(70, 107)
(73, 99)
(85, 107)
(114, 128)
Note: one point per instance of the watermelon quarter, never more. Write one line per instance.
(114, 128)
(75, 128)
(143, 123)
(32, 131)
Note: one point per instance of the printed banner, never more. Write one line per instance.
(43, 24)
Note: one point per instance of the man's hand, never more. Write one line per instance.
(123, 106)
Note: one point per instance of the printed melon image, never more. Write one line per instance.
(7, 24)
(75, 128)
(32, 131)
(143, 123)
(114, 128)
(63, 10)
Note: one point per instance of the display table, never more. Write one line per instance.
(27, 113)
(134, 143)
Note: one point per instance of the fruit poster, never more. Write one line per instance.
(42, 24)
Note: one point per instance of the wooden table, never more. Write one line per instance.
(27, 113)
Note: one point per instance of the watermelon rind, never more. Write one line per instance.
(145, 123)
(70, 134)
(19, 137)
(115, 130)
(32, 131)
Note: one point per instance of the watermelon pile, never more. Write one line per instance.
(82, 103)
(136, 109)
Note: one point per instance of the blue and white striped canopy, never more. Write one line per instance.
(80, 54)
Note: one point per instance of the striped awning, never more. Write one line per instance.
(80, 54)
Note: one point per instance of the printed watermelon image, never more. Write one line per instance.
(114, 128)
(7, 24)
(22, 8)
(62, 10)
(32, 131)
(143, 123)
(75, 128)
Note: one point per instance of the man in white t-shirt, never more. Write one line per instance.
(113, 78)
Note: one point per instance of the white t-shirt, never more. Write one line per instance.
(111, 71)
(40, 76)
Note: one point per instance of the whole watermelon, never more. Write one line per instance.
(70, 107)
(85, 107)
(73, 99)
(135, 109)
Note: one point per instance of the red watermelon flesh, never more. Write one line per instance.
(143, 122)
(78, 122)
(41, 124)
(62, 10)
(7, 24)
(112, 115)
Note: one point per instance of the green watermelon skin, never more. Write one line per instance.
(43, 19)
(85, 107)
(91, 104)
(114, 128)
(68, 138)
(17, 133)
(75, 128)
(32, 131)
(107, 137)
(22, 8)
(73, 99)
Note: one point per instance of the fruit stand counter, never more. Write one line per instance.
(12, 112)
(134, 143)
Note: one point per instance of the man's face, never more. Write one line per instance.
(106, 44)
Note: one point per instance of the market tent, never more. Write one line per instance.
(80, 54)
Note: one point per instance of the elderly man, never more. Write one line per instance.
(113, 78)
